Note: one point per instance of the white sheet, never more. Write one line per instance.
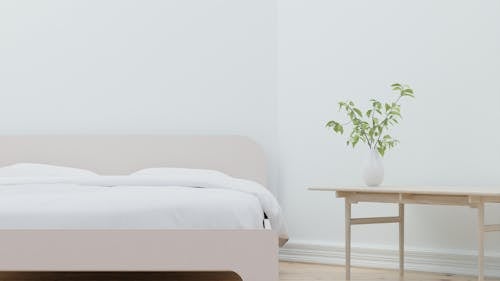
(105, 202)
(69, 206)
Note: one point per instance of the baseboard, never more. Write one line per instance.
(452, 262)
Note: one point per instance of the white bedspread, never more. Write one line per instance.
(131, 202)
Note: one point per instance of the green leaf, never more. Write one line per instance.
(360, 114)
(355, 140)
(331, 123)
(407, 93)
(397, 87)
(338, 128)
(370, 132)
(381, 150)
(387, 107)
(351, 115)
(369, 112)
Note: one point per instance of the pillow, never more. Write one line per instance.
(42, 170)
(158, 172)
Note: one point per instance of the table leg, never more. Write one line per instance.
(347, 239)
(480, 218)
(401, 239)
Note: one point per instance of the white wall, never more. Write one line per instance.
(139, 67)
(449, 51)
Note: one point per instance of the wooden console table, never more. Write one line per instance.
(474, 197)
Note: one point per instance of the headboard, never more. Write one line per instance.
(122, 154)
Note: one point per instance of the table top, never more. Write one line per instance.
(430, 190)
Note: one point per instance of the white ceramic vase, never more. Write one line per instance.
(373, 171)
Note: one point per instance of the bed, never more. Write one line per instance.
(118, 223)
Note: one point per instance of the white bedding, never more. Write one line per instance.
(70, 206)
(172, 201)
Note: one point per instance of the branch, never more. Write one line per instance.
(386, 118)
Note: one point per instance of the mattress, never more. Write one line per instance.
(75, 206)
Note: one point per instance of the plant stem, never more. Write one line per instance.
(386, 117)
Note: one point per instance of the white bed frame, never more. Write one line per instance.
(252, 254)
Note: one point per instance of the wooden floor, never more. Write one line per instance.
(315, 272)
(288, 272)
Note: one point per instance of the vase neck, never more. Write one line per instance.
(374, 153)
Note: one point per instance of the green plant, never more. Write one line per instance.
(372, 126)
